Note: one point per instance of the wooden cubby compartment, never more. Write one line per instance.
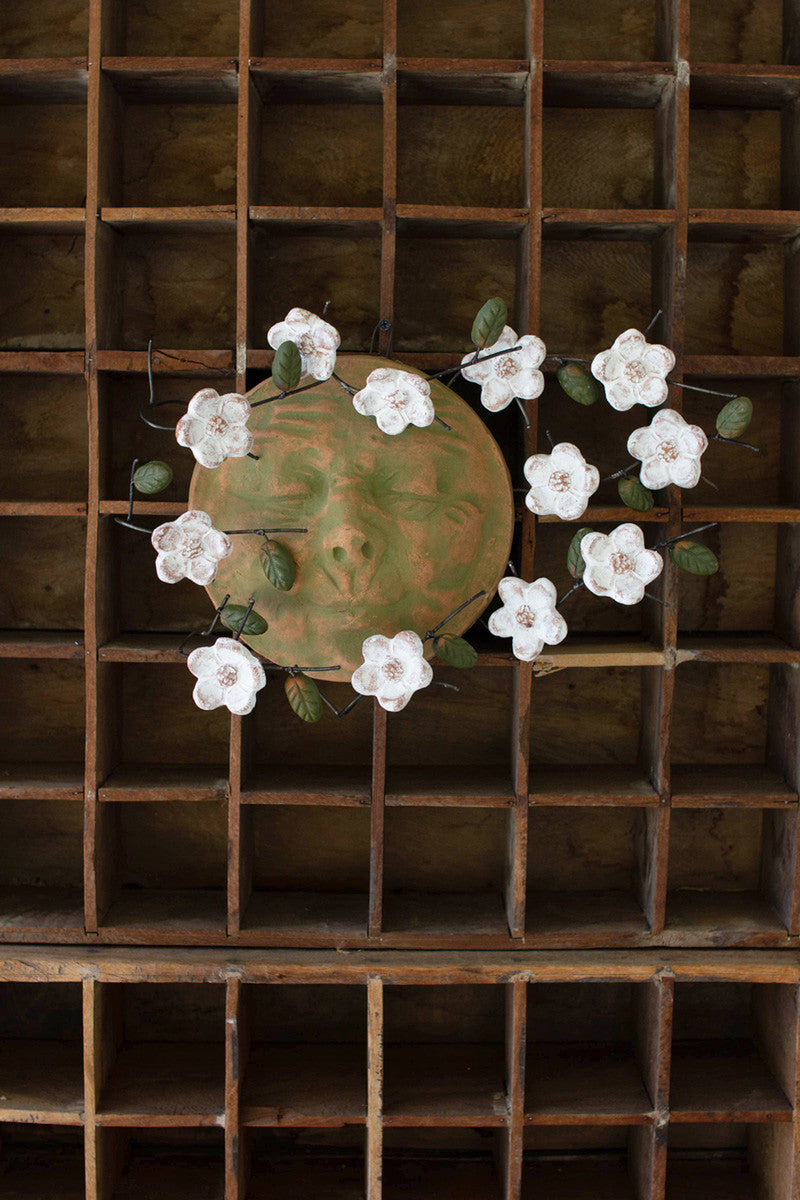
(187, 173)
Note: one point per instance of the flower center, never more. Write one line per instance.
(192, 547)
(396, 400)
(668, 452)
(217, 426)
(227, 675)
(506, 367)
(559, 481)
(621, 563)
(526, 617)
(393, 669)
(635, 371)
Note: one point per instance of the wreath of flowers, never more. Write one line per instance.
(615, 565)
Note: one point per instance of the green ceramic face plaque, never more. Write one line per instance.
(401, 530)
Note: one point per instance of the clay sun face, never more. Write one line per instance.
(400, 529)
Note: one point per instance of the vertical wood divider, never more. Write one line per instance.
(236, 1051)
(389, 223)
(91, 1086)
(516, 1019)
(378, 797)
(374, 1146)
(653, 1044)
(93, 605)
(669, 294)
(239, 854)
(244, 172)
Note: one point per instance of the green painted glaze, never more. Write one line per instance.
(401, 530)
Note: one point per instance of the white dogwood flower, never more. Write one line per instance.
(617, 564)
(669, 449)
(633, 371)
(396, 399)
(528, 616)
(215, 427)
(392, 670)
(189, 548)
(508, 375)
(316, 340)
(561, 482)
(227, 674)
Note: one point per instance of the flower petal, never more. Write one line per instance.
(237, 441)
(501, 623)
(627, 589)
(234, 409)
(202, 661)
(201, 570)
(217, 544)
(627, 538)
(511, 590)
(208, 693)
(686, 471)
(621, 395)
(420, 412)
(528, 384)
(419, 674)
(658, 360)
(396, 704)
(496, 394)
(366, 679)
(204, 404)
(606, 366)
(598, 578)
(653, 391)
(533, 352)
(655, 473)
(241, 710)
(189, 431)
(551, 627)
(369, 400)
(166, 537)
(526, 645)
(171, 567)
(630, 345)
(649, 565)
(376, 649)
(541, 594)
(693, 440)
(570, 505)
(540, 500)
(567, 457)
(391, 420)
(407, 644)
(643, 442)
(209, 453)
(596, 548)
(537, 469)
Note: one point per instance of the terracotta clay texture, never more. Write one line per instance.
(401, 530)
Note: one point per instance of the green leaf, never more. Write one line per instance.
(152, 477)
(231, 618)
(489, 323)
(694, 557)
(575, 564)
(579, 384)
(278, 564)
(287, 366)
(633, 493)
(304, 698)
(455, 651)
(734, 417)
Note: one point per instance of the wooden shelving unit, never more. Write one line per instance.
(187, 172)
(249, 1074)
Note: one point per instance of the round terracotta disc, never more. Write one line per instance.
(401, 529)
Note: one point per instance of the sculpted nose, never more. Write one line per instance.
(350, 546)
